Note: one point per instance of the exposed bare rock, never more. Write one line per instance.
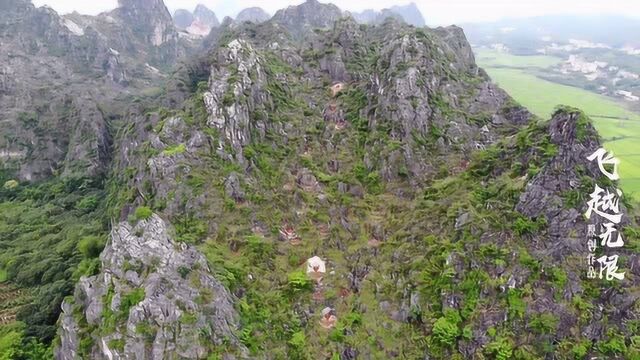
(233, 188)
(156, 284)
(205, 16)
(237, 98)
(307, 181)
(151, 18)
(300, 20)
(544, 194)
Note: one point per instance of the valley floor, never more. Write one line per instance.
(619, 127)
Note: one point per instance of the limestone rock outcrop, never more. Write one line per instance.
(153, 299)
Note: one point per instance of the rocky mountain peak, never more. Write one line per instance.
(206, 16)
(198, 23)
(9, 7)
(183, 18)
(409, 13)
(253, 14)
(303, 18)
(569, 128)
(573, 139)
(144, 5)
(144, 282)
(438, 207)
(149, 20)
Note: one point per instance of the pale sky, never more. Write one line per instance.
(436, 12)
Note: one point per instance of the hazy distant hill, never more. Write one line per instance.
(252, 14)
(199, 23)
(523, 35)
(408, 13)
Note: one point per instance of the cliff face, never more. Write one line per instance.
(62, 79)
(442, 208)
(154, 298)
(40, 53)
(559, 196)
(198, 23)
(302, 19)
(148, 19)
(311, 187)
(206, 16)
(182, 18)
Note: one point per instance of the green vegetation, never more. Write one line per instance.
(143, 213)
(501, 348)
(523, 226)
(174, 150)
(619, 127)
(13, 345)
(299, 281)
(406, 276)
(497, 59)
(446, 330)
(51, 233)
(131, 299)
(544, 323)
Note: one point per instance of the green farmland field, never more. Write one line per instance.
(618, 126)
(488, 58)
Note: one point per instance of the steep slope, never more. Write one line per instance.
(43, 110)
(63, 77)
(302, 19)
(435, 200)
(65, 82)
(410, 13)
(205, 16)
(148, 19)
(198, 23)
(163, 291)
(310, 187)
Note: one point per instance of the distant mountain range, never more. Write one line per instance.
(202, 19)
(408, 13)
(529, 34)
(200, 22)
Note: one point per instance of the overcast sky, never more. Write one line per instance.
(436, 12)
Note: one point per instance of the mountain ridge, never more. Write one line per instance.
(447, 217)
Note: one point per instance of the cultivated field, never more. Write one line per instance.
(619, 127)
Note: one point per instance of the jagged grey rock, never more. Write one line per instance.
(206, 16)
(238, 108)
(544, 193)
(150, 18)
(181, 305)
(233, 188)
(300, 20)
(62, 78)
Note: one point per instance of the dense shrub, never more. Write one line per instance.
(46, 230)
(446, 330)
(143, 213)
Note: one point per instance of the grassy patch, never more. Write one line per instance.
(515, 75)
